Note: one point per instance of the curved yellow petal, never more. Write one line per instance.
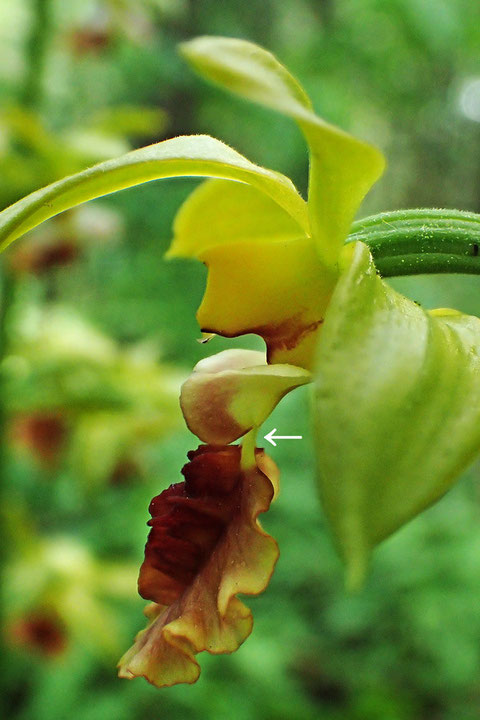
(220, 212)
(234, 391)
(278, 290)
(205, 547)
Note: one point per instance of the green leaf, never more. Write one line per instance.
(220, 212)
(342, 168)
(197, 155)
(397, 408)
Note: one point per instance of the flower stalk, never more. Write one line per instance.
(415, 242)
(247, 460)
(7, 289)
(36, 47)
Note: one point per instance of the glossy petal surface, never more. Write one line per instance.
(277, 290)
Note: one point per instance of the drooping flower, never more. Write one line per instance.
(57, 594)
(205, 546)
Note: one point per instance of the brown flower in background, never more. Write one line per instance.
(40, 631)
(39, 257)
(43, 433)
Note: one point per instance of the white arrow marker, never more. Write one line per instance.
(271, 437)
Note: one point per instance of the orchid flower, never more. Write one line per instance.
(396, 395)
(377, 359)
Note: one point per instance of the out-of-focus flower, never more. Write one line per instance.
(65, 239)
(124, 472)
(38, 257)
(205, 546)
(43, 433)
(90, 40)
(35, 154)
(75, 395)
(41, 631)
(107, 21)
(57, 593)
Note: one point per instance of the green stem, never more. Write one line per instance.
(35, 51)
(6, 300)
(413, 242)
(249, 442)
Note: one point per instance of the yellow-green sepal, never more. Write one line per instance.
(196, 155)
(342, 168)
(396, 406)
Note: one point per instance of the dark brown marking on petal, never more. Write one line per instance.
(188, 519)
(282, 336)
(285, 336)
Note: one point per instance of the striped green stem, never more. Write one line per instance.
(413, 242)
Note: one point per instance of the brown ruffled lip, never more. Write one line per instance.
(204, 547)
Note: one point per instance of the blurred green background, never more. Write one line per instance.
(100, 332)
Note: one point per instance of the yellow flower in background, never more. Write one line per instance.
(57, 593)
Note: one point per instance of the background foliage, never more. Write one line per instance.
(101, 332)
